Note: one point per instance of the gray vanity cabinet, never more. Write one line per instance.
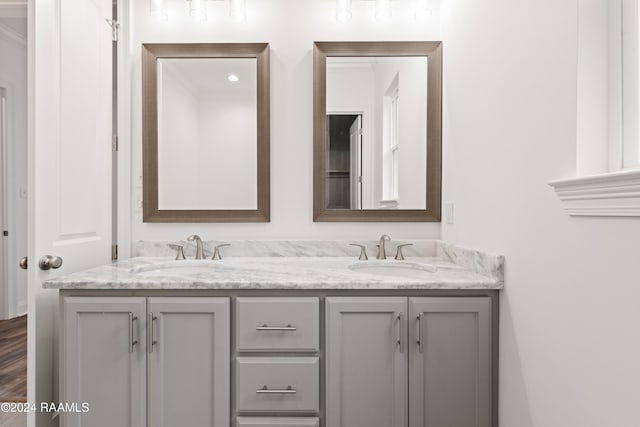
(366, 362)
(103, 361)
(430, 368)
(450, 362)
(167, 357)
(189, 347)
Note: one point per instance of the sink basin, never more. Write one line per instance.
(394, 269)
(178, 268)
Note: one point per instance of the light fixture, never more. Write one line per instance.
(238, 10)
(233, 78)
(158, 10)
(383, 10)
(343, 10)
(423, 9)
(197, 9)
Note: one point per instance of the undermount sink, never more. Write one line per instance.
(178, 268)
(394, 269)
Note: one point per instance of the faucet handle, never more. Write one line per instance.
(363, 251)
(180, 254)
(399, 255)
(216, 251)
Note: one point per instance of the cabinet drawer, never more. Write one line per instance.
(277, 324)
(277, 384)
(277, 422)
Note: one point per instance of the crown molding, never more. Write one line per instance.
(615, 194)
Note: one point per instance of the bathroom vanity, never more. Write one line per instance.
(283, 341)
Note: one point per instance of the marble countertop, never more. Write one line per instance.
(449, 268)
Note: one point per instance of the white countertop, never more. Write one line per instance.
(436, 272)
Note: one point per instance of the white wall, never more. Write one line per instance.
(177, 141)
(569, 335)
(291, 27)
(228, 156)
(13, 77)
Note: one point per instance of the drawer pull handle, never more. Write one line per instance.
(276, 328)
(266, 390)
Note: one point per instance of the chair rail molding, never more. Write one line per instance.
(615, 194)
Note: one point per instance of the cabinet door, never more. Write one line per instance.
(103, 361)
(366, 362)
(450, 362)
(189, 367)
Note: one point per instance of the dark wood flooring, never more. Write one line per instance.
(13, 360)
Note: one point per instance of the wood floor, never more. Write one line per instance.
(13, 360)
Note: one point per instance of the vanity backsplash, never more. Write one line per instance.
(480, 262)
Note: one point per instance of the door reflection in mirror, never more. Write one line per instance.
(376, 132)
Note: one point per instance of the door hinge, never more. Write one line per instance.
(114, 28)
(359, 131)
(5, 233)
(114, 252)
(114, 143)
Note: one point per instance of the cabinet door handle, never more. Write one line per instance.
(419, 340)
(151, 341)
(401, 332)
(267, 390)
(276, 328)
(131, 341)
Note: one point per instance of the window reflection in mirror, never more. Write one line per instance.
(376, 152)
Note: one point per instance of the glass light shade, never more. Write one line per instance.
(158, 10)
(383, 10)
(238, 10)
(343, 10)
(423, 9)
(197, 10)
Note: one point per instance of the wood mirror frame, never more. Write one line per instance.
(150, 55)
(431, 50)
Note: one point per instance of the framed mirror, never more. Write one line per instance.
(377, 131)
(205, 114)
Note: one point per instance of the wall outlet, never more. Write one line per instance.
(448, 212)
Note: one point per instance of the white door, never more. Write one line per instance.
(69, 164)
(4, 199)
(355, 142)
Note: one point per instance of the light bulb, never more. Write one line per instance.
(233, 78)
(423, 9)
(197, 10)
(158, 10)
(238, 10)
(343, 10)
(383, 10)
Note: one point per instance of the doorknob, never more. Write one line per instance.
(48, 261)
(24, 262)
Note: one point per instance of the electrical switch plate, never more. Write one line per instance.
(448, 212)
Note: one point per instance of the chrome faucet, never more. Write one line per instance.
(382, 252)
(198, 240)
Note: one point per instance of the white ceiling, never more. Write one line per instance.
(210, 74)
